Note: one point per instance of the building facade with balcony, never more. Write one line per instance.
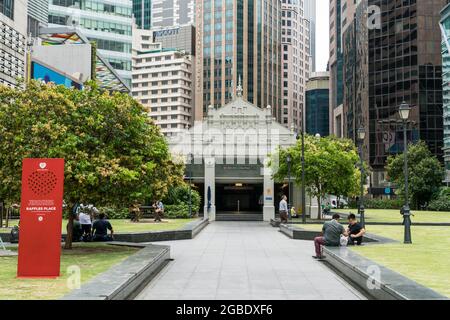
(13, 32)
(163, 82)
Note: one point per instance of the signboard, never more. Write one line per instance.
(40, 218)
(387, 190)
(43, 73)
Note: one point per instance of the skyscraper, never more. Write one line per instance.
(106, 22)
(310, 16)
(142, 12)
(163, 81)
(167, 13)
(37, 15)
(296, 61)
(445, 29)
(235, 39)
(341, 13)
(400, 61)
(317, 104)
(13, 30)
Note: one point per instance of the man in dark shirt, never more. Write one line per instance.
(332, 231)
(100, 229)
(355, 231)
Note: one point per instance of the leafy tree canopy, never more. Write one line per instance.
(425, 173)
(331, 166)
(114, 155)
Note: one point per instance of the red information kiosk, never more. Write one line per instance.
(40, 218)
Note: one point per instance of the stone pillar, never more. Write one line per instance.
(269, 193)
(210, 181)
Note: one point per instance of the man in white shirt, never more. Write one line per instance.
(283, 209)
(86, 224)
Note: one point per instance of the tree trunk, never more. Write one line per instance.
(68, 243)
(319, 202)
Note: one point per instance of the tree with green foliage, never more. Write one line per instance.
(114, 154)
(331, 166)
(425, 173)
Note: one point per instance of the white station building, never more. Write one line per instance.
(227, 159)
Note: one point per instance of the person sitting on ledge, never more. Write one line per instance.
(332, 231)
(100, 229)
(355, 231)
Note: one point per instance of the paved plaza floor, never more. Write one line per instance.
(245, 260)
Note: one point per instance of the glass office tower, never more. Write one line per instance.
(237, 38)
(318, 104)
(401, 61)
(142, 11)
(445, 30)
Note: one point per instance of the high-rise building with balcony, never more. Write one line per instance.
(13, 31)
(239, 39)
(296, 61)
(106, 22)
(163, 81)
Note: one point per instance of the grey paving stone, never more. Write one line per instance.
(245, 260)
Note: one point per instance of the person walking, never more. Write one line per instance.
(283, 208)
(159, 210)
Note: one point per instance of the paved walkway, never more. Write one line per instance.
(245, 260)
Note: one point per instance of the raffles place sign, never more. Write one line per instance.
(40, 218)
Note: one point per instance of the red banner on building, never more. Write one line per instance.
(40, 218)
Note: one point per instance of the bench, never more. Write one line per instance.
(375, 280)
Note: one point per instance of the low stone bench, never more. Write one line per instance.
(376, 280)
(189, 231)
(297, 233)
(126, 279)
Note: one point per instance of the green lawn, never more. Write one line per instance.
(426, 261)
(92, 258)
(125, 225)
(374, 215)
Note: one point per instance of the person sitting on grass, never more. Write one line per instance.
(332, 231)
(77, 232)
(100, 229)
(355, 231)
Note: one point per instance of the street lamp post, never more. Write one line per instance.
(303, 175)
(404, 111)
(190, 159)
(289, 160)
(361, 137)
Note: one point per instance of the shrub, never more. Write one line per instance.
(177, 211)
(115, 213)
(378, 204)
(441, 204)
(179, 196)
(110, 212)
